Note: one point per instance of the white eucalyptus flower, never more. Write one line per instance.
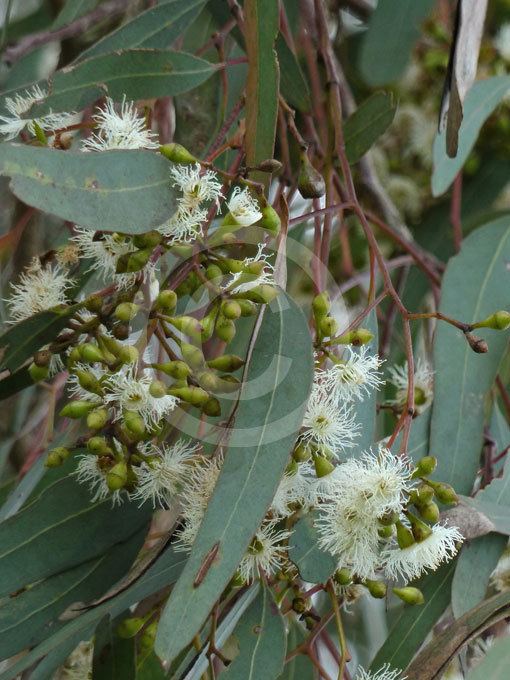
(196, 186)
(185, 225)
(18, 106)
(244, 207)
(104, 250)
(410, 563)
(40, 287)
(88, 472)
(267, 552)
(76, 390)
(355, 376)
(328, 424)
(162, 476)
(384, 673)
(423, 383)
(294, 488)
(126, 391)
(243, 281)
(123, 129)
(195, 496)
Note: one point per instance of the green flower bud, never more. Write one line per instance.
(128, 354)
(228, 384)
(77, 409)
(90, 353)
(360, 337)
(405, 536)
(192, 355)
(157, 389)
(182, 250)
(248, 308)
(126, 311)
(188, 325)
(321, 304)
(444, 492)
(57, 456)
(98, 445)
(328, 326)
(147, 639)
(385, 531)
(89, 382)
(270, 220)
(376, 588)
(192, 395)
(176, 369)
(214, 273)
(499, 321)
(150, 239)
(133, 262)
(225, 330)
(73, 357)
(322, 466)
(299, 605)
(212, 407)
(94, 304)
(177, 153)
(38, 373)
(208, 380)
(409, 595)
(134, 423)
(420, 530)
(116, 477)
(227, 362)
(425, 466)
(424, 494)
(388, 519)
(429, 512)
(263, 294)
(231, 309)
(301, 453)
(310, 182)
(166, 300)
(130, 627)
(343, 577)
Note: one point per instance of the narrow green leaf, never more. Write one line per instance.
(392, 31)
(370, 120)
(270, 411)
(494, 664)
(114, 657)
(60, 529)
(314, 565)
(414, 623)
(127, 191)
(293, 82)
(480, 102)
(157, 27)
(262, 641)
(137, 74)
(474, 286)
(14, 383)
(262, 86)
(72, 10)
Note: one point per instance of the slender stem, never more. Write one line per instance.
(340, 630)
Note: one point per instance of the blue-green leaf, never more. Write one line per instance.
(314, 565)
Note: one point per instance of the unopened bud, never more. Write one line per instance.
(323, 466)
(328, 326)
(177, 153)
(420, 530)
(57, 456)
(342, 576)
(38, 373)
(192, 355)
(385, 532)
(227, 384)
(175, 369)
(425, 466)
(166, 300)
(405, 536)
(270, 165)
(310, 182)
(208, 380)
(477, 344)
(148, 637)
(133, 262)
(299, 605)
(148, 240)
(188, 325)
(248, 308)
(134, 423)
(388, 518)
(499, 321)
(97, 445)
(360, 337)
(444, 492)
(270, 220)
(225, 330)
(409, 595)
(192, 395)
(227, 362)
(429, 512)
(214, 273)
(321, 304)
(89, 382)
(377, 589)
(94, 304)
(301, 453)
(262, 294)
(42, 358)
(128, 354)
(157, 389)
(90, 353)
(126, 311)
(77, 409)
(116, 477)
(231, 309)
(212, 407)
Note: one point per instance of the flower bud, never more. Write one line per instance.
(148, 637)
(212, 407)
(231, 309)
(134, 423)
(166, 300)
(425, 466)
(342, 576)
(57, 456)
(270, 165)
(98, 445)
(477, 344)
(188, 325)
(133, 262)
(175, 369)
(126, 311)
(227, 362)
(94, 304)
(208, 380)
(192, 395)
(177, 153)
(270, 220)
(429, 512)
(77, 409)
(227, 384)
(116, 477)
(328, 326)
(376, 588)
(499, 321)
(360, 337)
(409, 595)
(310, 182)
(225, 330)
(89, 382)
(214, 273)
(444, 492)
(388, 519)
(90, 353)
(192, 355)
(150, 239)
(121, 331)
(385, 532)
(263, 294)
(301, 453)
(73, 357)
(42, 358)
(157, 389)
(248, 308)
(299, 605)
(405, 536)
(130, 627)
(420, 530)
(321, 304)
(323, 466)
(128, 354)
(38, 373)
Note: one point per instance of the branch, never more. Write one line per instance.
(29, 43)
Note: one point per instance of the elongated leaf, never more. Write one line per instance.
(272, 402)
(72, 10)
(364, 127)
(293, 83)
(432, 660)
(314, 565)
(60, 529)
(262, 641)
(262, 86)
(126, 191)
(114, 657)
(157, 27)
(480, 102)
(494, 664)
(32, 615)
(137, 74)
(14, 383)
(474, 286)
(414, 623)
(162, 573)
(392, 31)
